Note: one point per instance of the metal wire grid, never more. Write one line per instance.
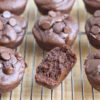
(62, 85)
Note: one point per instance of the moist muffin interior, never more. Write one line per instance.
(54, 62)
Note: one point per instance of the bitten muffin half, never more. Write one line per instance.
(55, 67)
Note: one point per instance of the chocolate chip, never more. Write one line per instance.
(13, 59)
(18, 65)
(58, 19)
(95, 29)
(45, 22)
(63, 35)
(6, 14)
(52, 14)
(10, 33)
(12, 21)
(58, 27)
(67, 29)
(18, 29)
(5, 56)
(4, 39)
(1, 25)
(8, 70)
(97, 13)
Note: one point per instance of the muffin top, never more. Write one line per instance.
(92, 66)
(93, 25)
(12, 66)
(12, 28)
(55, 29)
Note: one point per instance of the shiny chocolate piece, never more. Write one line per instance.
(55, 29)
(12, 29)
(92, 5)
(15, 6)
(92, 69)
(55, 66)
(45, 6)
(12, 68)
(6, 14)
(93, 29)
(12, 22)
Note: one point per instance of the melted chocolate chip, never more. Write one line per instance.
(12, 22)
(6, 14)
(8, 70)
(58, 27)
(67, 30)
(5, 56)
(45, 22)
(10, 33)
(52, 14)
(18, 29)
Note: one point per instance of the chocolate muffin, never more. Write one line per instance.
(92, 69)
(14, 6)
(55, 67)
(12, 29)
(55, 29)
(64, 6)
(92, 5)
(12, 67)
(93, 29)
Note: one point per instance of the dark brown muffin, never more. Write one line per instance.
(14, 6)
(92, 5)
(64, 6)
(12, 29)
(55, 29)
(12, 67)
(93, 29)
(92, 69)
(55, 67)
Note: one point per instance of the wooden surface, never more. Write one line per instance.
(75, 86)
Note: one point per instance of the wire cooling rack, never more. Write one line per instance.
(75, 86)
